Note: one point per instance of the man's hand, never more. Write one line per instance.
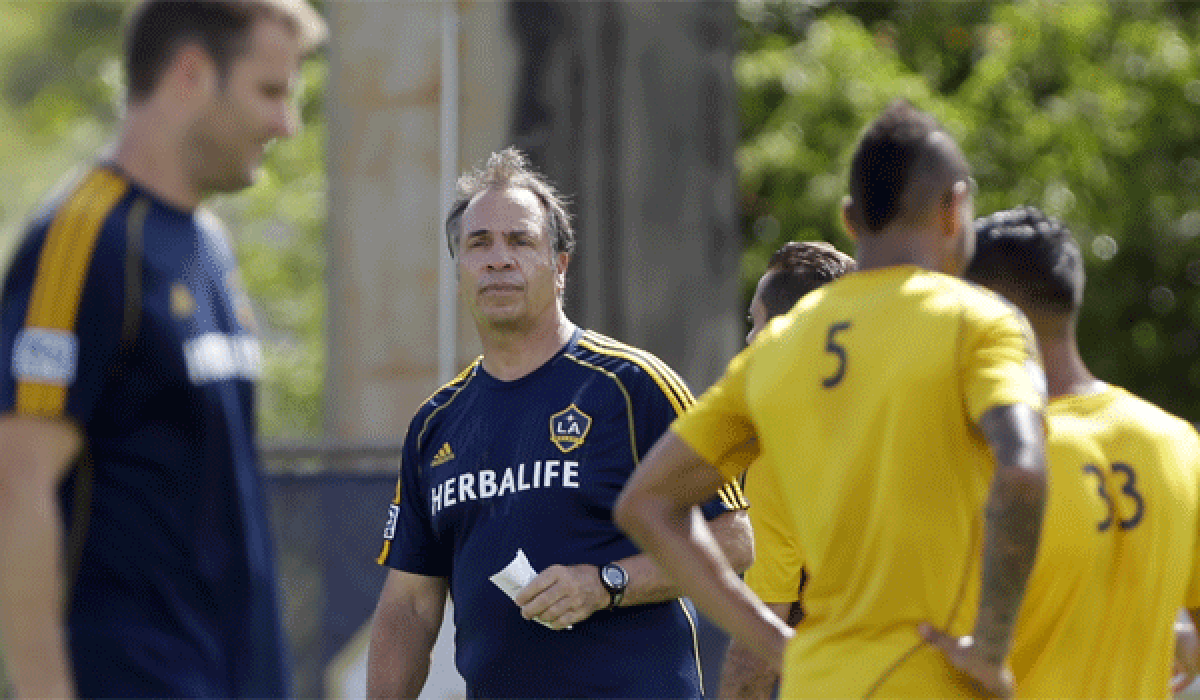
(994, 679)
(560, 596)
(1187, 654)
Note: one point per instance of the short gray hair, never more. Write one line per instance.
(511, 169)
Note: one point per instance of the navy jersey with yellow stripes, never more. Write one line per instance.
(491, 467)
(123, 315)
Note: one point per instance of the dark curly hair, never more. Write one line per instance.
(798, 268)
(1031, 254)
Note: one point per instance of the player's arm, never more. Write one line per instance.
(1187, 651)
(744, 674)
(36, 454)
(1013, 526)
(648, 583)
(403, 632)
(560, 595)
(656, 510)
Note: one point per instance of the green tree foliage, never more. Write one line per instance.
(60, 87)
(1088, 110)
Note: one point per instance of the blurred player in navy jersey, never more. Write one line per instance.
(137, 554)
(777, 574)
(525, 452)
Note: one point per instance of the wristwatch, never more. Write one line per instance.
(615, 581)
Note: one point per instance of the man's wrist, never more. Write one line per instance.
(615, 581)
(990, 645)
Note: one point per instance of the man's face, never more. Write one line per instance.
(509, 275)
(758, 312)
(253, 106)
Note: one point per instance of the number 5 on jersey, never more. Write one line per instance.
(838, 351)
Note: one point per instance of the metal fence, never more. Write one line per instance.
(328, 505)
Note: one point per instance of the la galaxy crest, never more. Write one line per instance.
(569, 427)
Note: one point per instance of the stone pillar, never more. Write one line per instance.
(382, 112)
(383, 106)
(629, 107)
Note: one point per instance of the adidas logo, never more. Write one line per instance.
(443, 455)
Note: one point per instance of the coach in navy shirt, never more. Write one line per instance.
(521, 458)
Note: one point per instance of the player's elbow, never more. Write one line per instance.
(634, 512)
(1022, 474)
(624, 511)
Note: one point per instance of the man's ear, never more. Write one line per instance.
(191, 74)
(847, 217)
(561, 261)
(954, 211)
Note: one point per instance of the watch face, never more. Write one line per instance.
(614, 576)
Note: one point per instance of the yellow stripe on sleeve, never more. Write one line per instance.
(383, 553)
(61, 273)
(672, 386)
(651, 360)
(732, 496)
(666, 379)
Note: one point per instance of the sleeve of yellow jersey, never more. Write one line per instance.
(1000, 362)
(718, 425)
(778, 565)
(1192, 602)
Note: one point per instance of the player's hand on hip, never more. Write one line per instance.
(1187, 655)
(560, 596)
(996, 680)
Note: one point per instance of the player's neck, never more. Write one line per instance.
(149, 154)
(1066, 374)
(512, 353)
(893, 248)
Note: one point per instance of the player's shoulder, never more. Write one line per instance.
(1130, 408)
(79, 220)
(970, 299)
(82, 203)
(440, 400)
(635, 368)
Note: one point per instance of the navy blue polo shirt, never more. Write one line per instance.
(491, 467)
(125, 316)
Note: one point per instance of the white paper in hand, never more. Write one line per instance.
(512, 578)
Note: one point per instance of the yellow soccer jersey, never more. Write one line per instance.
(864, 400)
(1118, 556)
(777, 571)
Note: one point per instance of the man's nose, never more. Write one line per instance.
(501, 257)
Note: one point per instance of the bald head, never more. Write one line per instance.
(905, 166)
